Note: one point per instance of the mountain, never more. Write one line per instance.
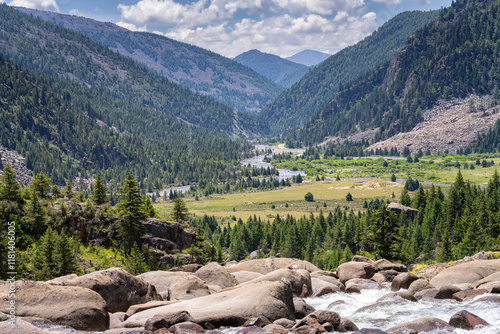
(294, 107)
(281, 71)
(199, 70)
(59, 52)
(455, 57)
(309, 57)
(67, 130)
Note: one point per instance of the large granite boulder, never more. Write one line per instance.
(421, 325)
(23, 327)
(353, 269)
(266, 300)
(163, 279)
(262, 266)
(214, 274)
(189, 287)
(384, 264)
(76, 307)
(470, 272)
(119, 289)
(466, 320)
(419, 285)
(297, 278)
(403, 281)
(245, 276)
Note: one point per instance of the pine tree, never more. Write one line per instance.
(41, 184)
(99, 193)
(68, 190)
(135, 262)
(35, 217)
(45, 258)
(148, 208)
(383, 234)
(131, 199)
(65, 257)
(10, 189)
(180, 210)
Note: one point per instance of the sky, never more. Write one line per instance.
(231, 27)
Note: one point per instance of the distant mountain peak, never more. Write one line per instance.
(309, 57)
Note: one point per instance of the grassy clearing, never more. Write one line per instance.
(332, 193)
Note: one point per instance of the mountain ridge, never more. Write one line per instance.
(192, 67)
(309, 57)
(281, 71)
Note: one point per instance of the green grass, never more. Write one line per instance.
(247, 204)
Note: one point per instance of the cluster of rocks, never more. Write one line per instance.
(18, 164)
(261, 296)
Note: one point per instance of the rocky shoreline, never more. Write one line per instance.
(252, 296)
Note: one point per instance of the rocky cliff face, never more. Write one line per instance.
(166, 236)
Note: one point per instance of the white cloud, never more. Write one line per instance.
(323, 7)
(36, 4)
(131, 26)
(389, 2)
(283, 35)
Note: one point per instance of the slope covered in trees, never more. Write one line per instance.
(59, 52)
(294, 107)
(65, 130)
(281, 71)
(200, 70)
(455, 56)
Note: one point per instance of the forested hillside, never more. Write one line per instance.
(67, 130)
(58, 52)
(455, 56)
(281, 71)
(200, 70)
(294, 107)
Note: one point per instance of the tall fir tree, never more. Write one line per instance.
(99, 193)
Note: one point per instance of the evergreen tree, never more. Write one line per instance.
(35, 217)
(148, 208)
(99, 193)
(135, 262)
(65, 256)
(348, 197)
(45, 256)
(131, 203)
(41, 184)
(180, 210)
(68, 190)
(10, 189)
(383, 234)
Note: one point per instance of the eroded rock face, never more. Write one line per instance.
(72, 306)
(270, 300)
(167, 236)
(470, 272)
(119, 289)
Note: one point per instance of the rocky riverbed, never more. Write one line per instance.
(274, 295)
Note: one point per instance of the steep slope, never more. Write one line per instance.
(294, 107)
(66, 130)
(281, 71)
(200, 70)
(59, 52)
(454, 57)
(309, 57)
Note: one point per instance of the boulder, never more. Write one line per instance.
(302, 308)
(119, 289)
(245, 276)
(326, 278)
(251, 330)
(422, 325)
(262, 266)
(306, 330)
(297, 279)
(323, 316)
(352, 289)
(363, 284)
(187, 327)
(399, 295)
(466, 320)
(167, 319)
(256, 322)
(447, 291)
(370, 331)
(482, 255)
(488, 279)
(470, 272)
(490, 299)
(426, 294)
(275, 329)
(272, 300)
(468, 295)
(388, 274)
(359, 258)
(311, 322)
(350, 270)
(163, 279)
(419, 285)
(76, 307)
(142, 307)
(383, 264)
(325, 290)
(284, 322)
(188, 268)
(22, 327)
(214, 274)
(379, 278)
(60, 280)
(403, 281)
(304, 265)
(347, 325)
(189, 287)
